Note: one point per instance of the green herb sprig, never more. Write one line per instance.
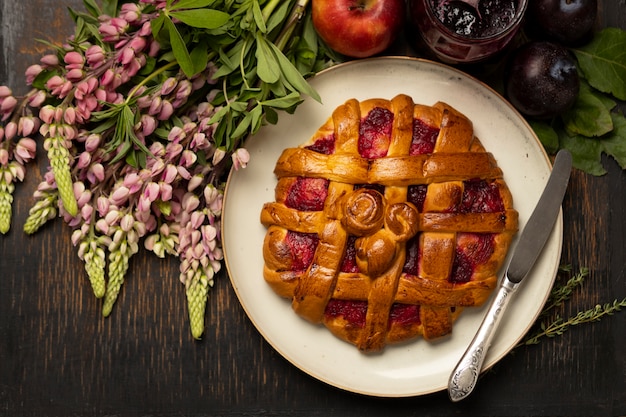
(550, 323)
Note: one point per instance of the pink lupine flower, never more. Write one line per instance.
(73, 60)
(119, 196)
(69, 115)
(218, 155)
(170, 174)
(153, 48)
(7, 104)
(190, 202)
(188, 158)
(75, 74)
(167, 109)
(95, 56)
(112, 30)
(92, 142)
(240, 158)
(32, 72)
(155, 106)
(85, 212)
(195, 182)
(127, 222)
(132, 182)
(148, 124)
(130, 12)
(25, 150)
(96, 173)
(103, 226)
(165, 191)
(168, 86)
(172, 150)
(49, 60)
(103, 204)
(37, 99)
(84, 159)
(27, 125)
(10, 130)
(197, 218)
(4, 157)
(176, 134)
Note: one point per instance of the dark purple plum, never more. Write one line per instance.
(566, 21)
(541, 79)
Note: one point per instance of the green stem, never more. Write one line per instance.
(294, 18)
(269, 8)
(150, 77)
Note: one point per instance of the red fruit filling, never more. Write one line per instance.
(324, 145)
(479, 196)
(375, 133)
(307, 194)
(404, 314)
(476, 250)
(416, 194)
(348, 264)
(424, 138)
(302, 247)
(411, 263)
(354, 312)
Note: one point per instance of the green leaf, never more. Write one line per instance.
(156, 25)
(589, 116)
(192, 4)
(547, 135)
(603, 62)
(615, 142)
(179, 48)
(201, 18)
(200, 58)
(258, 17)
(293, 76)
(242, 128)
(92, 7)
(290, 100)
(587, 153)
(278, 16)
(110, 7)
(268, 68)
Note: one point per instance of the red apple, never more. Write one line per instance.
(358, 28)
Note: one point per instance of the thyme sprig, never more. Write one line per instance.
(552, 325)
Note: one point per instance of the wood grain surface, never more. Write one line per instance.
(59, 357)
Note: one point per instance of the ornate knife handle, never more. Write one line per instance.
(465, 374)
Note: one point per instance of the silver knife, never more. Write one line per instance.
(536, 232)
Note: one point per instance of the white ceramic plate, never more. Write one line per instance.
(418, 367)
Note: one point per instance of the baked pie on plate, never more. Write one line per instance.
(386, 214)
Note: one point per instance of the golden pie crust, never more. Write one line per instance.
(407, 252)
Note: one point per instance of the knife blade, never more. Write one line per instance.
(530, 244)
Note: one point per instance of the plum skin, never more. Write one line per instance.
(564, 21)
(541, 79)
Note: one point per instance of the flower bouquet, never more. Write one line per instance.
(142, 113)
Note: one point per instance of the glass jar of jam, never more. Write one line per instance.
(459, 31)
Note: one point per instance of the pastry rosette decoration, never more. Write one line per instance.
(388, 222)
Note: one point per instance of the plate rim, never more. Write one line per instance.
(558, 230)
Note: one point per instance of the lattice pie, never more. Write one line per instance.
(387, 222)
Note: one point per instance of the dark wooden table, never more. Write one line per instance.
(59, 357)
